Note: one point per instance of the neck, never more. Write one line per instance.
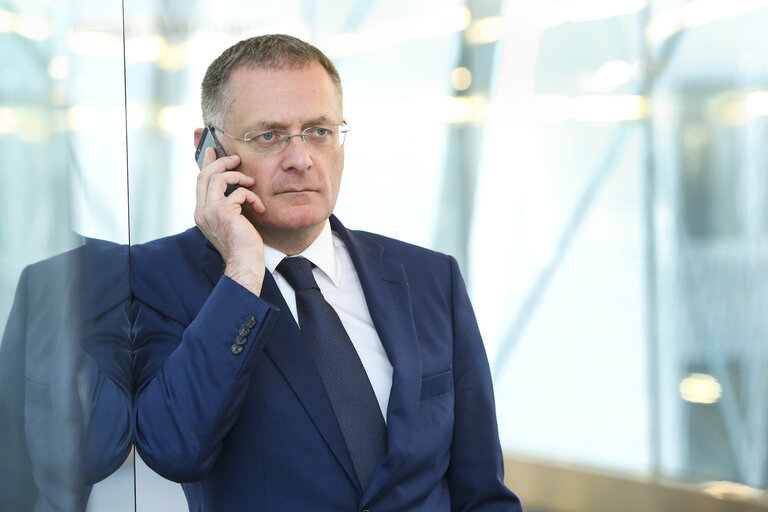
(291, 242)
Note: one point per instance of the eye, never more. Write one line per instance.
(266, 138)
(319, 133)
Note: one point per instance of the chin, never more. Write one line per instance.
(293, 220)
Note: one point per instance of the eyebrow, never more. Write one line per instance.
(276, 125)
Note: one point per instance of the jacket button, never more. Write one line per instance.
(236, 349)
(240, 340)
(250, 322)
(244, 331)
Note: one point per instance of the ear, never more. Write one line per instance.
(198, 134)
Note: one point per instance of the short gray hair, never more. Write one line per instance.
(272, 51)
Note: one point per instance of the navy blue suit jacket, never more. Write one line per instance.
(255, 431)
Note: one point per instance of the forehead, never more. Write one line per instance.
(282, 95)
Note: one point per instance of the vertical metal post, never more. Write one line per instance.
(457, 199)
(648, 185)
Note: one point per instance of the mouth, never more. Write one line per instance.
(296, 191)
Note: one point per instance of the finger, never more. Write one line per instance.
(201, 189)
(218, 183)
(215, 165)
(219, 165)
(244, 196)
(204, 177)
(211, 167)
(209, 158)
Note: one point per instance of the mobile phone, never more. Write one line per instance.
(208, 140)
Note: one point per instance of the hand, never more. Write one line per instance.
(220, 219)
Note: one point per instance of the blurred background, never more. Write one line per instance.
(611, 154)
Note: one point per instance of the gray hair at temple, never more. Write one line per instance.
(272, 51)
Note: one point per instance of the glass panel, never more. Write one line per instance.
(712, 163)
(562, 199)
(65, 436)
(625, 154)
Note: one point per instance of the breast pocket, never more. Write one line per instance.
(437, 384)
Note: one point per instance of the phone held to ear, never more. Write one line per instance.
(209, 140)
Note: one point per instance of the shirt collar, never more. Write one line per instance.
(320, 252)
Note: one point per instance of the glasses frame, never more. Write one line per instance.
(285, 138)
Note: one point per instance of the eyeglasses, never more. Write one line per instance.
(322, 137)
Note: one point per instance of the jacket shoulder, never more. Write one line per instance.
(406, 252)
(188, 242)
(169, 270)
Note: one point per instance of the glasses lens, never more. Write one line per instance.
(266, 142)
(320, 137)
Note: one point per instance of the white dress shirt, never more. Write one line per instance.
(337, 278)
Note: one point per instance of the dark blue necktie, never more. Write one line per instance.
(343, 375)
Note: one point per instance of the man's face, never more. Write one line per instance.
(300, 184)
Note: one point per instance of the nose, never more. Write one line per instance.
(296, 154)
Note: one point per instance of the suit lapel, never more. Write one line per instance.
(288, 350)
(385, 286)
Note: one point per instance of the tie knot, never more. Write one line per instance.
(298, 272)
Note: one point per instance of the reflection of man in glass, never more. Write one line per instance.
(380, 401)
(65, 379)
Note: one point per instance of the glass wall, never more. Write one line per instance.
(598, 168)
(65, 434)
(630, 331)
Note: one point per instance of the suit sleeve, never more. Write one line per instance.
(191, 379)
(476, 472)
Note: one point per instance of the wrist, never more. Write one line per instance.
(249, 278)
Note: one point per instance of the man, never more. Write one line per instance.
(242, 406)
